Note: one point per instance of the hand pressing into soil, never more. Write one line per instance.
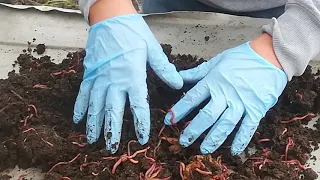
(117, 52)
(242, 87)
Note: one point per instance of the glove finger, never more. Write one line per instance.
(196, 74)
(82, 102)
(224, 126)
(96, 110)
(204, 119)
(191, 100)
(165, 71)
(139, 105)
(245, 133)
(114, 110)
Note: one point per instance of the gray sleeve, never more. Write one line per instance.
(84, 6)
(296, 35)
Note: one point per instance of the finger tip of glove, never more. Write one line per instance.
(167, 119)
(91, 139)
(143, 140)
(177, 85)
(112, 147)
(113, 150)
(235, 151)
(183, 74)
(187, 76)
(238, 146)
(175, 82)
(76, 118)
(205, 150)
(184, 142)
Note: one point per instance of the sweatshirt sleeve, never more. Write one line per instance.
(296, 35)
(84, 6)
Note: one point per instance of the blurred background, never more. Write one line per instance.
(69, 4)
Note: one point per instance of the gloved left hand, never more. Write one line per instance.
(117, 52)
(240, 83)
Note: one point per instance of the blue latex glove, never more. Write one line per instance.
(117, 52)
(239, 83)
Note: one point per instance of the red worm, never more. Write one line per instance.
(40, 86)
(62, 163)
(35, 109)
(264, 140)
(58, 164)
(109, 158)
(161, 130)
(87, 164)
(66, 178)
(156, 149)
(182, 168)
(203, 172)
(49, 143)
(298, 118)
(132, 141)
(172, 117)
(22, 176)
(290, 144)
(284, 131)
(162, 111)
(295, 162)
(121, 159)
(30, 129)
(299, 95)
(124, 157)
(80, 145)
(149, 158)
(75, 158)
(26, 119)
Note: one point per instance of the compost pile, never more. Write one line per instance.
(36, 130)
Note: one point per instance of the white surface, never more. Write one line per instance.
(42, 8)
(33, 173)
(65, 31)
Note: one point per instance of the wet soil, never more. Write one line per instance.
(36, 130)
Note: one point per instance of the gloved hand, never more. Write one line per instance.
(117, 52)
(239, 83)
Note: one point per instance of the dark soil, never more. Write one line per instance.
(50, 137)
(40, 49)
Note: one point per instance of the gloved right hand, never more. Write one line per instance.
(117, 52)
(242, 87)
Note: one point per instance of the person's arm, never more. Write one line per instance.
(95, 11)
(241, 83)
(120, 45)
(263, 45)
(296, 35)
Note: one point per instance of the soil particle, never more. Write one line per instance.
(310, 174)
(40, 48)
(206, 38)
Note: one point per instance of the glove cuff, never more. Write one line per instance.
(84, 6)
(296, 35)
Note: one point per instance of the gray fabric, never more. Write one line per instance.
(163, 6)
(296, 35)
(244, 5)
(84, 6)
